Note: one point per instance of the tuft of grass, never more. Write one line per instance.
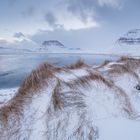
(84, 81)
(126, 58)
(78, 64)
(40, 76)
(125, 67)
(106, 62)
(56, 96)
(29, 86)
(133, 63)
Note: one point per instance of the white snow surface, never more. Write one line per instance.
(106, 107)
(6, 95)
(118, 129)
(71, 74)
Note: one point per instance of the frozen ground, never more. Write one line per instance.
(6, 95)
(74, 102)
(118, 129)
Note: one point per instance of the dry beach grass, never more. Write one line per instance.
(64, 95)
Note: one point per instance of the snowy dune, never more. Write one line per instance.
(6, 95)
(74, 102)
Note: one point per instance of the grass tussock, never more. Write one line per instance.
(117, 68)
(37, 77)
(57, 103)
(122, 69)
(78, 64)
(124, 65)
(132, 63)
(60, 99)
(64, 99)
(40, 76)
(32, 83)
(85, 81)
(126, 58)
(106, 62)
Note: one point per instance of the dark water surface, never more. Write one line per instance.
(15, 67)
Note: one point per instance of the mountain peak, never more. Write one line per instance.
(128, 44)
(52, 43)
(132, 37)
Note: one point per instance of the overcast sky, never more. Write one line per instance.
(82, 23)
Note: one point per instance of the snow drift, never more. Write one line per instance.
(66, 103)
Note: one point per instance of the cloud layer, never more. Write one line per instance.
(76, 22)
(30, 15)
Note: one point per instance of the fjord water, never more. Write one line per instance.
(15, 67)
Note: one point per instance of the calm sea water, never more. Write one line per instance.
(15, 67)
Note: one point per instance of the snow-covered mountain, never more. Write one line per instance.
(128, 44)
(132, 37)
(52, 46)
(26, 45)
(52, 43)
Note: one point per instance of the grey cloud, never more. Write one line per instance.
(81, 8)
(3, 41)
(52, 20)
(90, 8)
(28, 12)
(19, 35)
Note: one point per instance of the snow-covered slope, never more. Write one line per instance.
(6, 95)
(128, 44)
(125, 74)
(75, 102)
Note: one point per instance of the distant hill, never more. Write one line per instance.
(128, 44)
(132, 37)
(27, 45)
(52, 43)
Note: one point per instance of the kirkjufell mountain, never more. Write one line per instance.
(52, 43)
(53, 46)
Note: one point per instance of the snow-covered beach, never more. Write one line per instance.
(76, 101)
